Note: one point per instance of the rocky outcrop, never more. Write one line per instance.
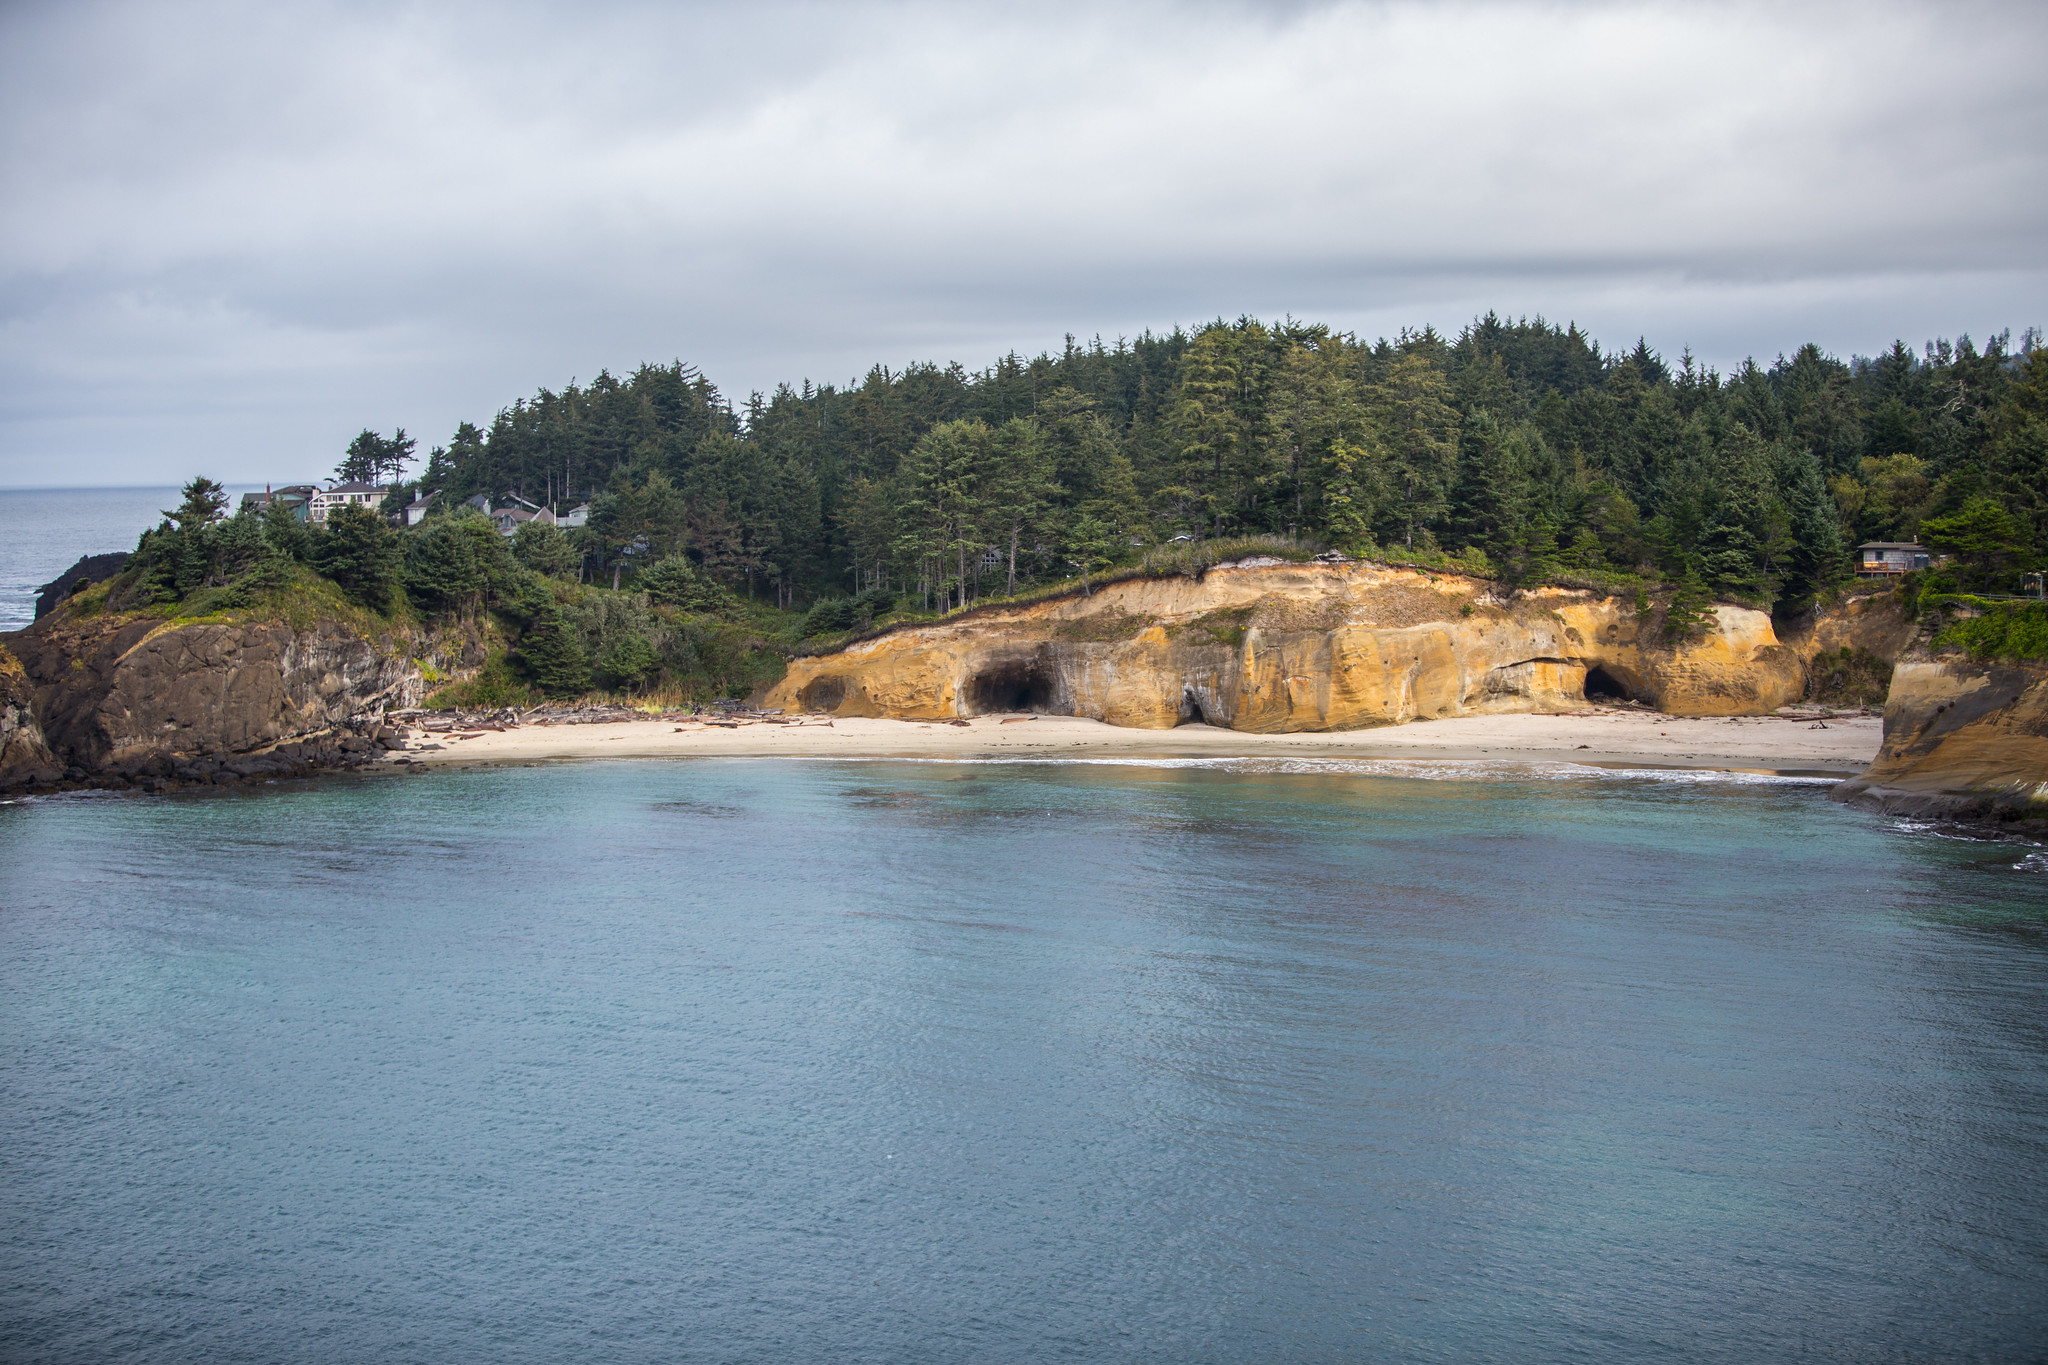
(1962, 740)
(116, 697)
(88, 570)
(1872, 623)
(25, 756)
(1292, 647)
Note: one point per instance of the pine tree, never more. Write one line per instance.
(1733, 548)
(285, 533)
(1020, 488)
(1815, 561)
(551, 655)
(1982, 535)
(205, 502)
(946, 473)
(1219, 422)
(359, 552)
(542, 547)
(1418, 428)
(1488, 505)
(1691, 609)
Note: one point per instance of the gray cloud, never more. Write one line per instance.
(230, 236)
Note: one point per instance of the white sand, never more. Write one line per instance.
(1620, 737)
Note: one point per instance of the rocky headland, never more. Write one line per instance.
(112, 699)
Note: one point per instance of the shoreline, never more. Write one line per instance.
(1839, 747)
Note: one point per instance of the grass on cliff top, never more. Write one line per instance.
(291, 594)
(2016, 631)
(1190, 559)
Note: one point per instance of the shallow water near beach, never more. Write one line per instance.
(737, 1060)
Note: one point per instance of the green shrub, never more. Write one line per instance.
(541, 547)
(495, 685)
(1849, 677)
(551, 655)
(2004, 631)
(1691, 610)
(826, 617)
(675, 582)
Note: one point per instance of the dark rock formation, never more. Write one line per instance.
(114, 699)
(87, 571)
(25, 756)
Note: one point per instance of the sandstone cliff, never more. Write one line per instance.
(1961, 739)
(1276, 647)
(126, 696)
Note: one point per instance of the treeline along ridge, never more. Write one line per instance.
(1519, 451)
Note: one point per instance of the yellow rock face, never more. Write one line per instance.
(1297, 647)
(1961, 738)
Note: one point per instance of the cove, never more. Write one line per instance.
(758, 1060)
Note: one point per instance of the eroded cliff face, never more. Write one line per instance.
(1961, 740)
(1876, 623)
(125, 696)
(1280, 648)
(25, 756)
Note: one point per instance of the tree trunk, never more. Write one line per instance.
(616, 568)
(1010, 589)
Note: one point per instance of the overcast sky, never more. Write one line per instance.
(232, 236)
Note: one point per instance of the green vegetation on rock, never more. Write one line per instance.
(2004, 630)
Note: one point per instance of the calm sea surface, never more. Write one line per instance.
(784, 1061)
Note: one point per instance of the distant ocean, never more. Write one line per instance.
(43, 531)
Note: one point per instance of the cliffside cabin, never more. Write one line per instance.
(297, 496)
(1883, 558)
(326, 500)
(510, 515)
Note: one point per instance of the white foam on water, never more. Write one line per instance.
(2035, 861)
(1438, 770)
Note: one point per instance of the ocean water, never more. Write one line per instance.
(760, 1060)
(44, 531)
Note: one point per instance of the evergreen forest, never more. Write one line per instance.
(1521, 447)
(721, 537)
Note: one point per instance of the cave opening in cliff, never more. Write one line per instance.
(1604, 686)
(1192, 710)
(1013, 685)
(824, 694)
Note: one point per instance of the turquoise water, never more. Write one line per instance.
(771, 1061)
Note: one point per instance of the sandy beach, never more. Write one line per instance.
(1839, 746)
